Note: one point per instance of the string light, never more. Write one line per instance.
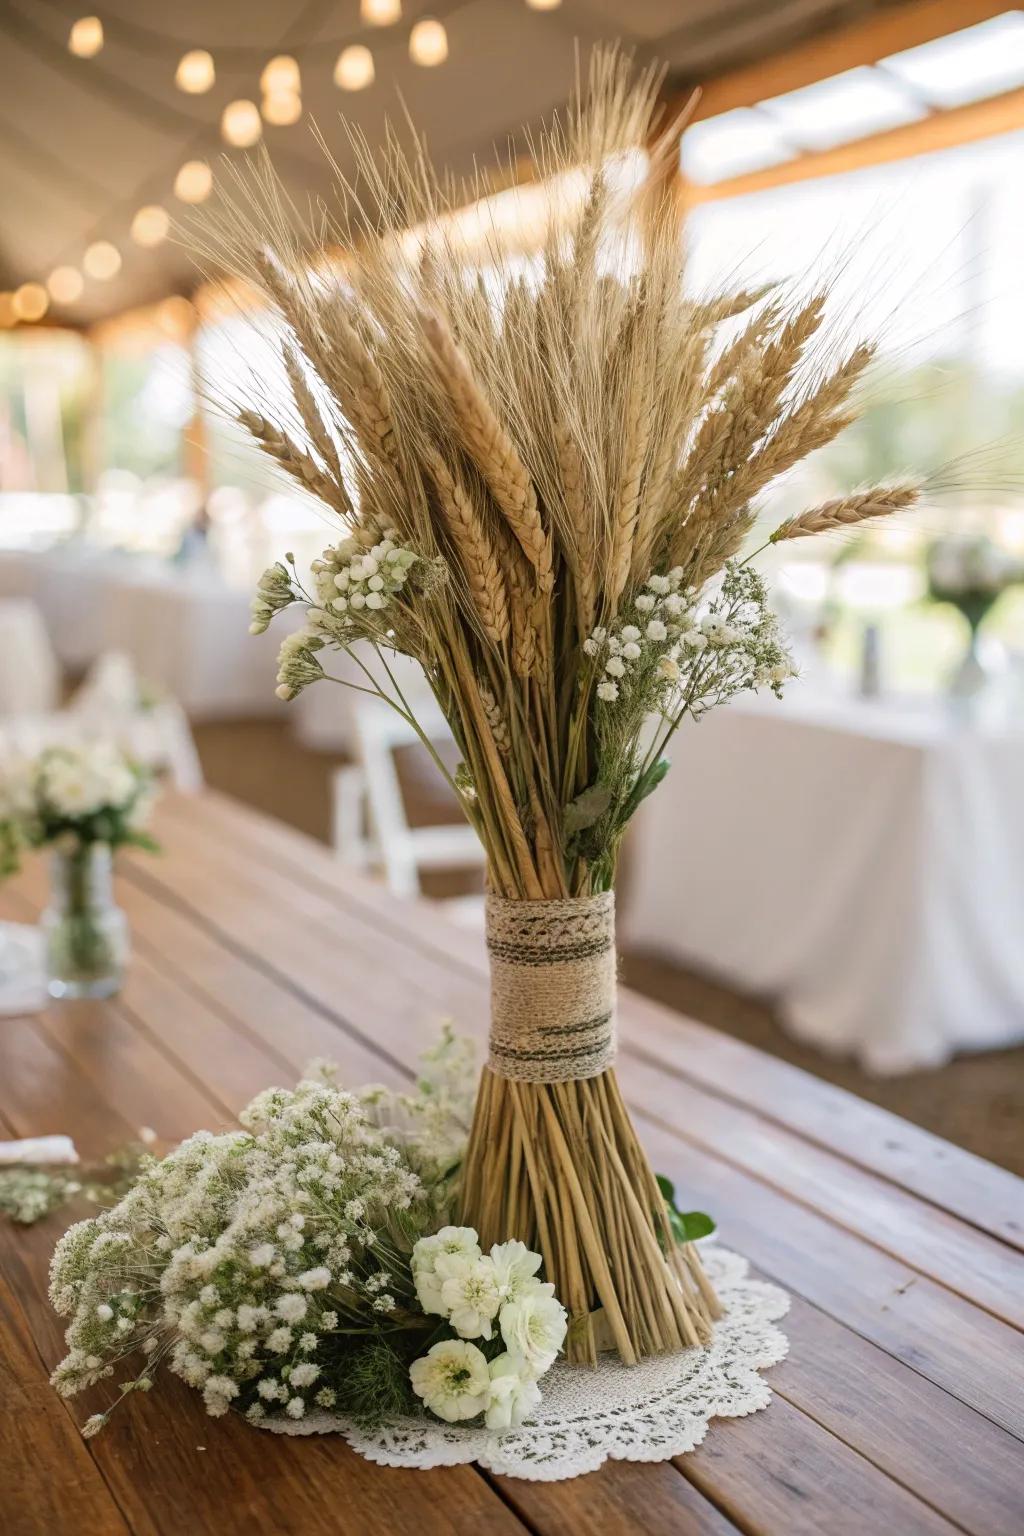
(428, 43)
(241, 124)
(354, 69)
(151, 225)
(380, 13)
(65, 285)
(193, 182)
(195, 72)
(86, 37)
(7, 313)
(30, 302)
(282, 108)
(102, 261)
(280, 75)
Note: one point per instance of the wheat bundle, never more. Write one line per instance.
(545, 478)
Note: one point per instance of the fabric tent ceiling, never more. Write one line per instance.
(85, 142)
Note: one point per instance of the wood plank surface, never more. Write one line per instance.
(899, 1406)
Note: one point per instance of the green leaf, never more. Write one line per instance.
(694, 1224)
(645, 785)
(668, 1189)
(587, 808)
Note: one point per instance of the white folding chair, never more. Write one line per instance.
(370, 825)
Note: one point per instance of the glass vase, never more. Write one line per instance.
(85, 935)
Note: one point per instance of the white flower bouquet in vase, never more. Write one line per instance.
(83, 803)
(545, 475)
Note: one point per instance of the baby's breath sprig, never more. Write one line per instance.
(669, 653)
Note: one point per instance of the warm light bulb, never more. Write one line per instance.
(380, 13)
(86, 37)
(195, 72)
(428, 43)
(65, 284)
(543, 5)
(282, 108)
(151, 225)
(30, 302)
(8, 317)
(102, 261)
(281, 74)
(354, 69)
(193, 182)
(241, 124)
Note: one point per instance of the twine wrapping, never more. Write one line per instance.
(552, 987)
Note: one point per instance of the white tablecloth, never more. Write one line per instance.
(185, 629)
(862, 867)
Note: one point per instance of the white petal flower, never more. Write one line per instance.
(469, 1291)
(631, 651)
(452, 1379)
(460, 1242)
(629, 632)
(534, 1327)
(428, 1292)
(513, 1393)
(608, 691)
(514, 1268)
(659, 584)
(656, 630)
(615, 666)
(295, 1408)
(645, 602)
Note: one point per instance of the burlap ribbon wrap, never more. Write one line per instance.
(552, 987)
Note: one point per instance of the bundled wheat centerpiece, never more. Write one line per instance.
(546, 472)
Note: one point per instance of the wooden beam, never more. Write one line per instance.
(862, 42)
(942, 130)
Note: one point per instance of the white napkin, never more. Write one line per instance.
(39, 1149)
(22, 985)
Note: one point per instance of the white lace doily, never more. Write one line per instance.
(647, 1412)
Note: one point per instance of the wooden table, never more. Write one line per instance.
(900, 1408)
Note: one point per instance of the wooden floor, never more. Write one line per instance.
(899, 1409)
(977, 1102)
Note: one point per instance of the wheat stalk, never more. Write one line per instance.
(476, 552)
(491, 449)
(845, 511)
(299, 464)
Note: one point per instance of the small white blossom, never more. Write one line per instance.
(512, 1394)
(452, 1379)
(608, 692)
(469, 1294)
(315, 1279)
(534, 1327)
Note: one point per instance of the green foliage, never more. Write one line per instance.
(687, 1226)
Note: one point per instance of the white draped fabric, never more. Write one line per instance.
(186, 630)
(862, 867)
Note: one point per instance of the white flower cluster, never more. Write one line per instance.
(88, 792)
(352, 580)
(669, 642)
(475, 1292)
(250, 1261)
